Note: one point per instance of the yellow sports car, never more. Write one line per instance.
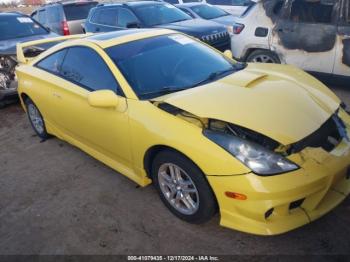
(266, 145)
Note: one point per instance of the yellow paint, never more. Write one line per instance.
(282, 102)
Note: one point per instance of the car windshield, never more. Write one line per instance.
(208, 11)
(159, 14)
(160, 65)
(13, 26)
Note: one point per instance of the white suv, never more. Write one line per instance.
(234, 7)
(311, 34)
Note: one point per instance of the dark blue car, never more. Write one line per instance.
(151, 14)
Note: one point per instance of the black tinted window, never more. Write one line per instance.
(125, 16)
(53, 62)
(12, 26)
(86, 68)
(78, 11)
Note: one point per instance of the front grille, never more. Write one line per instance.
(220, 40)
(328, 136)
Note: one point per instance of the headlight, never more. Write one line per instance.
(230, 29)
(259, 159)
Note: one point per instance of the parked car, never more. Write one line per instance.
(209, 12)
(234, 7)
(313, 35)
(267, 145)
(15, 28)
(151, 14)
(64, 18)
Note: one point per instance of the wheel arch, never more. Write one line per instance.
(253, 49)
(156, 149)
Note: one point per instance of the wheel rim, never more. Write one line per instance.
(178, 188)
(36, 118)
(263, 59)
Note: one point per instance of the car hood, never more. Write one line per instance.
(195, 27)
(8, 47)
(225, 20)
(279, 101)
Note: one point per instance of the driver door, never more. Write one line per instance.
(98, 130)
(305, 35)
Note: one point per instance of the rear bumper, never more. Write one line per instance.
(280, 203)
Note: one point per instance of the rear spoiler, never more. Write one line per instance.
(21, 47)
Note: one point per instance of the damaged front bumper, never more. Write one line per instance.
(9, 95)
(280, 203)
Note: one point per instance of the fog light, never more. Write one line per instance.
(234, 195)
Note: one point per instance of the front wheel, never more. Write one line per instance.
(36, 119)
(263, 56)
(183, 188)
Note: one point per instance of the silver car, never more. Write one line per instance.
(64, 18)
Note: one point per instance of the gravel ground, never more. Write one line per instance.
(55, 199)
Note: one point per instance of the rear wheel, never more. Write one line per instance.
(36, 119)
(263, 56)
(183, 187)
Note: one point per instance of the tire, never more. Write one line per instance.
(36, 119)
(190, 187)
(263, 56)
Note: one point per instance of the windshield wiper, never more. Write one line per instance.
(214, 75)
(164, 91)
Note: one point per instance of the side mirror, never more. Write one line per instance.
(133, 25)
(228, 54)
(103, 98)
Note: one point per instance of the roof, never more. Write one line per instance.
(109, 39)
(143, 3)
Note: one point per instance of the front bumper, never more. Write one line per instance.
(280, 203)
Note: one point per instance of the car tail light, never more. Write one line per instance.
(237, 28)
(65, 28)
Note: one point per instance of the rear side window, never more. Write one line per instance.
(78, 11)
(125, 17)
(90, 73)
(106, 16)
(54, 15)
(42, 16)
(53, 63)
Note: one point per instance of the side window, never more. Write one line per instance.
(187, 12)
(35, 15)
(42, 16)
(172, 1)
(54, 15)
(53, 62)
(125, 17)
(108, 17)
(96, 16)
(91, 72)
(319, 12)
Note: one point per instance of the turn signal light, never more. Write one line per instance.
(237, 28)
(234, 195)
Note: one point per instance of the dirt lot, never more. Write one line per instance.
(55, 199)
